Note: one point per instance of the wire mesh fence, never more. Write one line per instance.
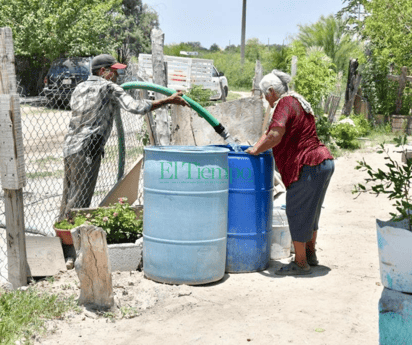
(46, 121)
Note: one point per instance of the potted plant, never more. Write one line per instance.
(123, 225)
(394, 236)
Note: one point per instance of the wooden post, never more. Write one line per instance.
(160, 78)
(354, 79)
(257, 78)
(13, 177)
(401, 79)
(243, 37)
(294, 69)
(93, 267)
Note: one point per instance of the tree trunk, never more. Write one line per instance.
(93, 267)
(352, 86)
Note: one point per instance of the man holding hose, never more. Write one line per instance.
(94, 104)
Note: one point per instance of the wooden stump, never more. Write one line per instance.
(93, 267)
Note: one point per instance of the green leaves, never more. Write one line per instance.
(55, 28)
(315, 76)
(394, 182)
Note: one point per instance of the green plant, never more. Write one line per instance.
(200, 95)
(23, 313)
(119, 221)
(324, 129)
(395, 182)
(315, 77)
(345, 136)
(361, 124)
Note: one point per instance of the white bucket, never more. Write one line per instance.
(395, 243)
(281, 238)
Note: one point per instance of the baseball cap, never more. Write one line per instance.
(106, 60)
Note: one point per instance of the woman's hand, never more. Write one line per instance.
(251, 151)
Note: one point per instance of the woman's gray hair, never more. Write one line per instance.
(277, 81)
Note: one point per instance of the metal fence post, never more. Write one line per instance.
(13, 176)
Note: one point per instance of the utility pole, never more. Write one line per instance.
(242, 43)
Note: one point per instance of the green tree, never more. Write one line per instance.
(280, 59)
(214, 48)
(49, 29)
(315, 77)
(353, 15)
(330, 34)
(134, 25)
(389, 29)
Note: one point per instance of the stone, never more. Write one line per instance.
(93, 267)
(395, 318)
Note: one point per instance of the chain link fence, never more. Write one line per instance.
(45, 123)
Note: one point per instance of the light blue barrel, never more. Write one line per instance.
(185, 214)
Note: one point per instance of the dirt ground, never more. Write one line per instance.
(336, 304)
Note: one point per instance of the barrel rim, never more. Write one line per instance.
(243, 147)
(187, 149)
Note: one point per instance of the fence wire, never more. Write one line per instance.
(45, 123)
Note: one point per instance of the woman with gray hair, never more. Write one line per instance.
(304, 162)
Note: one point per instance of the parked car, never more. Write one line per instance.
(62, 78)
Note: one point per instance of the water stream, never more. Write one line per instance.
(233, 144)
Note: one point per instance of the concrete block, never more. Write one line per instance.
(126, 256)
(395, 318)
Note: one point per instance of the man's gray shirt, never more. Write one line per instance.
(94, 105)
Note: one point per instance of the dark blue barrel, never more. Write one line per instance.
(185, 214)
(250, 211)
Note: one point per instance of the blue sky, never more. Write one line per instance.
(219, 21)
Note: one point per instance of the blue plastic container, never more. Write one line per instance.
(250, 211)
(185, 214)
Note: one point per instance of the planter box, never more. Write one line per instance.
(395, 318)
(395, 243)
(123, 256)
(401, 124)
(126, 256)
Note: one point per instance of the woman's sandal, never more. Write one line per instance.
(293, 269)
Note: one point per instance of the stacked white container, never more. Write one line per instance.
(281, 239)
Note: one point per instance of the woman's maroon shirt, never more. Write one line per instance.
(300, 144)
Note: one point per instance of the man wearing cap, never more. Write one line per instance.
(95, 103)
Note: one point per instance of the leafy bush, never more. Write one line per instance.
(362, 125)
(324, 129)
(315, 77)
(200, 95)
(345, 136)
(119, 221)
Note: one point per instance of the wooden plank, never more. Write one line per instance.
(127, 187)
(8, 82)
(12, 168)
(44, 256)
(12, 162)
(16, 244)
(160, 78)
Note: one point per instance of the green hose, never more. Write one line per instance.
(168, 92)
